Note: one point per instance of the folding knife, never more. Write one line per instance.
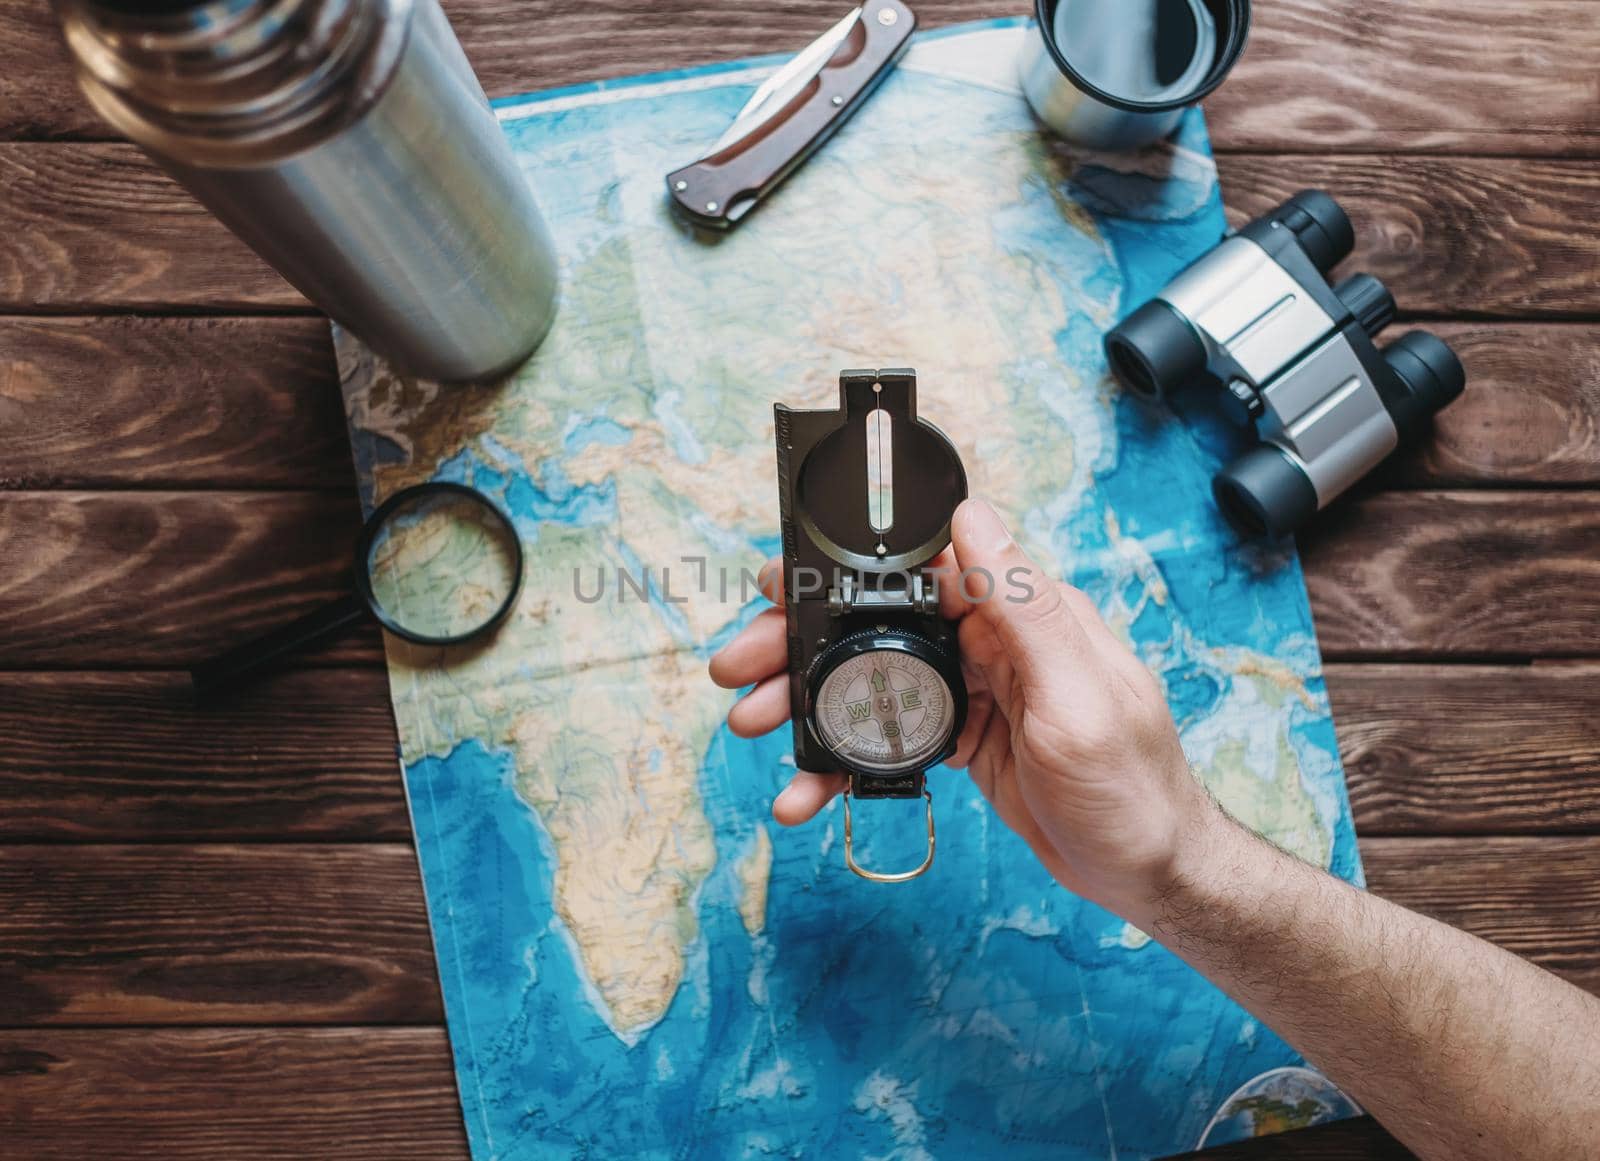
(792, 114)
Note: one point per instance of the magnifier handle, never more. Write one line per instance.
(237, 666)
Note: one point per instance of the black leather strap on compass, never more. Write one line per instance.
(910, 786)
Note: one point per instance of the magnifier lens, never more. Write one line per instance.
(442, 566)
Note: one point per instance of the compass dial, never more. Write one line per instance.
(885, 711)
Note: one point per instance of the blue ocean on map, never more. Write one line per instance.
(980, 1011)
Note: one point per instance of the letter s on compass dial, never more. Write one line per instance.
(887, 703)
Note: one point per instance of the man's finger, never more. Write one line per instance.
(984, 656)
(947, 576)
(760, 650)
(805, 795)
(1113, 651)
(762, 710)
(770, 580)
(979, 707)
(1039, 632)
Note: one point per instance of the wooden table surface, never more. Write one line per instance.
(212, 934)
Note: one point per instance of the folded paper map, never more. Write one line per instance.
(636, 961)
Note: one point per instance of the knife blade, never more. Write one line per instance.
(780, 88)
(792, 113)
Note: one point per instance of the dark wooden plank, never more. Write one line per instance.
(318, 934)
(1469, 749)
(384, 1094)
(88, 227)
(160, 580)
(92, 226)
(362, 1094)
(1429, 574)
(253, 403)
(37, 95)
(1482, 236)
(165, 579)
(129, 757)
(1470, 76)
(310, 754)
(324, 934)
(1448, 75)
(162, 402)
(1530, 415)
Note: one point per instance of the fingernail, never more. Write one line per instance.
(985, 527)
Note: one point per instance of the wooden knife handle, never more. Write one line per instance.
(719, 190)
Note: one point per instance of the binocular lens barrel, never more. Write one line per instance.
(1265, 493)
(1369, 302)
(1321, 225)
(1432, 375)
(1155, 352)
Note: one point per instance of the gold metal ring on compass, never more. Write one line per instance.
(880, 876)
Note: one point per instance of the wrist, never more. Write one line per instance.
(1203, 856)
(1218, 884)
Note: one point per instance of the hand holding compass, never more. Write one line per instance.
(1068, 735)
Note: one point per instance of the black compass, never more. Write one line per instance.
(867, 495)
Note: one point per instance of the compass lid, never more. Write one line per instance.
(877, 491)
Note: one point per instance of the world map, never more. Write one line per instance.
(636, 961)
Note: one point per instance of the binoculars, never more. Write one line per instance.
(1292, 354)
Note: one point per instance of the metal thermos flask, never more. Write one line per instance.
(349, 143)
(1118, 74)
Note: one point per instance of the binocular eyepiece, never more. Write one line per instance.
(1292, 353)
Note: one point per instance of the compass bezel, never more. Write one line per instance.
(889, 639)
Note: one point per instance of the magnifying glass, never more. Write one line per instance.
(437, 564)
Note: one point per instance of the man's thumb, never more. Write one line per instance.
(1019, 600)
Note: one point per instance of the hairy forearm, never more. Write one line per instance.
(1460, 1049)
